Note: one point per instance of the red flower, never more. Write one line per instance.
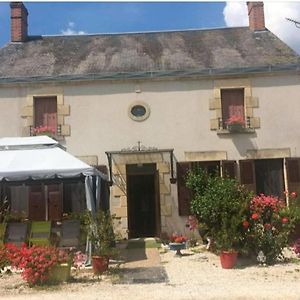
(246, 224)
(284, 220)
(267, 226)
(255, 216)
(293, 195)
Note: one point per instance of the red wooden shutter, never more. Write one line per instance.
(293, 174)
(232, 102)
(37, 205)
(247, 174)
(228, 168)
(184, 194)
(45, 112)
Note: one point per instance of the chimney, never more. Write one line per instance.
(256, 16)
(18, 24)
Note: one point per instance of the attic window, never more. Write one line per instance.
(139, 111)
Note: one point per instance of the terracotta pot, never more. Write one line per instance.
(100, 264)
(228, 259)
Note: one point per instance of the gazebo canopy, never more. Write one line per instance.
(39, 157)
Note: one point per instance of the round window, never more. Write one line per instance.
(139, 111)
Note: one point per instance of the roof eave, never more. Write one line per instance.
(156, 74)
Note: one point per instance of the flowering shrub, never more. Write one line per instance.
(44, 130)
(268, 226)
(35, 262)
(236, 120)
(4, 261)
(296, 247)
(178, 238)
(79, 260)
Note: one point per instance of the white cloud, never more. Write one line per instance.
(236, 14)
(71, 30)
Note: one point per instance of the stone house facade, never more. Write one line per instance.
(150, 106)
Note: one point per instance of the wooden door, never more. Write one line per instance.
(54, 202)
(247, 174)
(37, 204)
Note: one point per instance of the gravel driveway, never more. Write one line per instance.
(192, 276)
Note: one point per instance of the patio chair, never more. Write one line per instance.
(16, 233)
(70, 234)
(2, 233)
(40, 233)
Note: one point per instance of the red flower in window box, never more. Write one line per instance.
(236, 120)
(44, 130)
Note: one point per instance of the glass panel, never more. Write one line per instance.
(138, 110)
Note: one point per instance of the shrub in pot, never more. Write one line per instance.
(221, 205)
(100, 232)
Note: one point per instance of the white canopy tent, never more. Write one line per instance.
(42, 158)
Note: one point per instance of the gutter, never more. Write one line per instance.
(202, 73)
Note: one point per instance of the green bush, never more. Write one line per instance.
(220, 204)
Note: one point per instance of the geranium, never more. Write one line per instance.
(44, 130)
(178, 238)
(35, 262)
(236, 120)
(284, 220)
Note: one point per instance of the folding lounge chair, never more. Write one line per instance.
(70, 234)
(2, 233)
(40, 233)
(17, 233)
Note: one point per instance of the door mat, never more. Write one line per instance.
(143, 275)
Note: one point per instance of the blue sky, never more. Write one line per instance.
(55, 18)
(95, 17)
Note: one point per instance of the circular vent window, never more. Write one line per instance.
(139, 111)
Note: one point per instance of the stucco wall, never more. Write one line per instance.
(179, 118)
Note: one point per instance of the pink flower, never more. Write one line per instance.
(255, 216)
(284, 220)
(293, 195)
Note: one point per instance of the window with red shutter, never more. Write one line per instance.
(45, 112)
(232, 103)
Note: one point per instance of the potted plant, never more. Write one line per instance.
(235, 123)
(221, 205)
(177, 243)
(100, 232)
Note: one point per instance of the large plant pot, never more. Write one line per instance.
(177, 247)
(228, 259)
(100, 264)
(60, 273)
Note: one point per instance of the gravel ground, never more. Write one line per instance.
(192, 276)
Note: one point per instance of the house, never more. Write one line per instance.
(150, 106)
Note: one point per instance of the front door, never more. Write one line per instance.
(143, 202)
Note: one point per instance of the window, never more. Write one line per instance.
(139, 111)
(232, 103)
(45, 112)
